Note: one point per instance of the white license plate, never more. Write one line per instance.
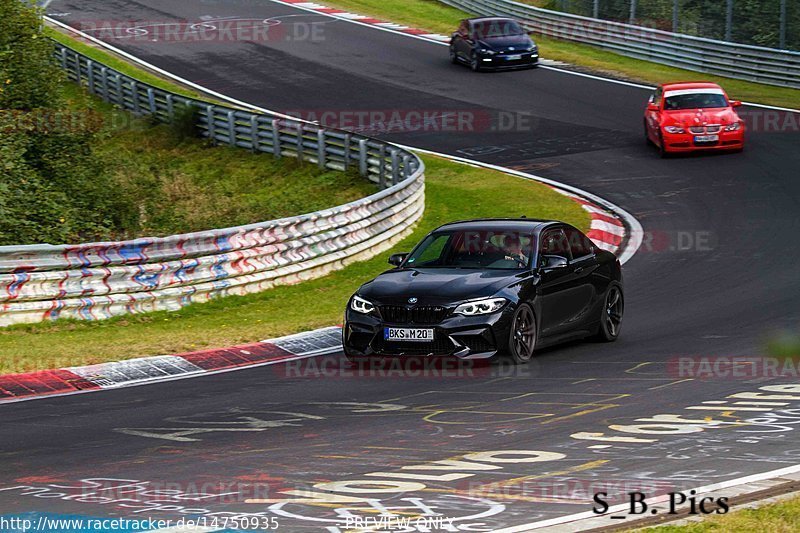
(513, 58)
(706, 138)
(408, 334)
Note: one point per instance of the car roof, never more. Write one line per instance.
(485, 19)
(679, 85)
(515, 224)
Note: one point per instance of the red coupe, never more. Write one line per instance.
(684, 117)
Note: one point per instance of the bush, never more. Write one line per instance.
(54, 190)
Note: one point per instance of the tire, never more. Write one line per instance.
(474, 64)
(662, 149)
(355, 360)
(647, 139)
(523, 335)
(611, 314)
(453, 56)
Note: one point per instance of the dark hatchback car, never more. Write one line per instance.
(493, 43)
(485, 288)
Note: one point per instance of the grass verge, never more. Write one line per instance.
(168, 182)
(439, 18)
(781, 517)
(453, 192)
(121, 65)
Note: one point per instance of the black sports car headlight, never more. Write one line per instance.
(487, 51)
(360, 305)
(481, 307)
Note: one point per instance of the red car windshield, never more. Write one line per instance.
(695, 101)
(497, 249)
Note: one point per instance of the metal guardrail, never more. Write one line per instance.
(752, 63)
(101, 280)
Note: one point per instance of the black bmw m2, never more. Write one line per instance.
(488, 288)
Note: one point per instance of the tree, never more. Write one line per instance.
(49, 175)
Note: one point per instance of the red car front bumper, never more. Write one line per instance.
(688, 142)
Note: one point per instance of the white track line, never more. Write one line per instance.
(622, 507)
(170, 378)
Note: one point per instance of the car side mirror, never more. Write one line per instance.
(397, 259)
(553, 262)
(736, 103)
(652, 106)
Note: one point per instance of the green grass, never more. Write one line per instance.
(121, 65)
(782, 517)
(453, 192)
(439, 18)
(785, 345)
(171, 183)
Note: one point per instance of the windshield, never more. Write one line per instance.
(496, 28)
(497, 249)
(695, 101)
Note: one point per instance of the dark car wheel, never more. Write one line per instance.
(355, 359)
(474, 62)
(522, 340)
(662, 147)
(647, 134)
(611, 315)
(453, 56)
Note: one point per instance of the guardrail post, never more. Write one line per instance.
(321, 156)
(395, 165)
(104, 82)
(151, 100)
(212, 127)
(120, 95)
(90, 75)
(170, 107)
(299, 142)
(382, 167)
(729, 20)
(782, 26)
(347, 151)
(676, 24)
(276, 138)
(255, 139)
(406, 166)
(231, 128)
(64, 58)
(362, 157)
(135, 96)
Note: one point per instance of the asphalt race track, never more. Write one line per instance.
(716, 275)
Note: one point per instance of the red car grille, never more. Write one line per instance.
(713, 128)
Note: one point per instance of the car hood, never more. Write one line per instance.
(698, 117)
(502, 44)
(436, 286)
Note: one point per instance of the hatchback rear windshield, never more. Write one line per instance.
(497, 28)
(496, 250)
(695, 101)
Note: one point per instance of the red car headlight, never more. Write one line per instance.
(736, 126)
(674, 129)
